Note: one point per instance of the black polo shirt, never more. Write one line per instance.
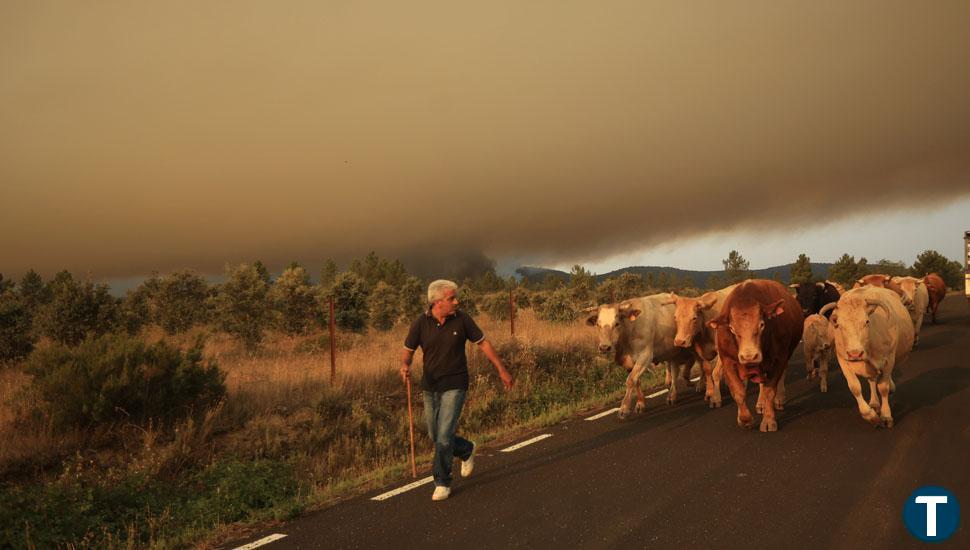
(445, 365)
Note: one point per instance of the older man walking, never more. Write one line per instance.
(441, 332)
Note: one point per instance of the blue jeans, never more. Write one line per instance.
(441, 411)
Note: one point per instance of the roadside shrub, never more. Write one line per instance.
(496, 305)
(383, 305)
(77, 310)
(16, 339)
(116, 377)
(467, 300)
(414, 298)
(559, 307)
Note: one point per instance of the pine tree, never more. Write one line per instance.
(581, 284)
(736, 268)
(931, 261)
(329, 274)
(16, 337)
(629, 285)
(350, 302)
(413, 299)
(33, 292)
(242, 305)
(843, 271)
(801, 270)
(181, 301)
(77, 310)
(383, 304)
(294, 300)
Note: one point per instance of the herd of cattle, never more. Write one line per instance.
(748, 331)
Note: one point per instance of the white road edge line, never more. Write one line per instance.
(518, 446)
(407, 487)
(260, 542)
(604, 413)
(695, 379)
(656, 393)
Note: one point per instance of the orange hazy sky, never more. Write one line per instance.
(154, 136)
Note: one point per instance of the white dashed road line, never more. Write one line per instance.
(407, 487)
(518, 446)
(604, 413)
(260, 542)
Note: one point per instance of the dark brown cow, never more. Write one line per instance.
(757, 332)
(937, 289)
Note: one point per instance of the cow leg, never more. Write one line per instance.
(759, 406)
(779, 391)
(672, 376)
(716, 373)
(730, 370)
(768, 422)
(632, 384)
(852, 379)
(885, 413)
(873, 394)
(641, 400)
(823, 375)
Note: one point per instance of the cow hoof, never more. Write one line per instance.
(746, 421)
(624, 412)
(887, 422)
(759, 408)
(640, 407)
(824, 389)
(874, 420)
(769, 425)
(671, 400)
(779, 406)
(714, 404)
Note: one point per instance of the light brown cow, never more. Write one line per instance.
(873, 334)
(817, 344)
(917, 299)
(937, 291)
(692, 316)
(880, 280)
(758, 329)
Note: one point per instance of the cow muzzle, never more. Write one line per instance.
(750, 357)
(605, 348)
(682, 342)
(855, 355)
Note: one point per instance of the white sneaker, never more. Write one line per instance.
(468, 465)
(441, 492)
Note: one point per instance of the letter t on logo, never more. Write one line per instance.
(931, 503)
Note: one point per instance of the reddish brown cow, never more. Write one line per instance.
(757, 332)
(937, 289)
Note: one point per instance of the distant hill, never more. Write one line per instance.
(699, 278)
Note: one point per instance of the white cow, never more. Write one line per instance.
(640, 331)
(817, 343)
(916, 297)
(873, 333)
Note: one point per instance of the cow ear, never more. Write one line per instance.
(717, 321)
(886, 280)
(708, 300)
(632, 314)
(591, 320)
(669, 301)
(774, 309)
(870, 309)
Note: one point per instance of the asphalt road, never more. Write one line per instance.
(688, 477)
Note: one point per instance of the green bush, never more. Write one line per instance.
(243, 304)
(16, 338)
(77, 310)
(559, 307)
(116, 377)
(496, 305)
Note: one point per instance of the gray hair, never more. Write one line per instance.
(437, 289)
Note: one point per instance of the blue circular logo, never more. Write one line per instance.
(931, 513)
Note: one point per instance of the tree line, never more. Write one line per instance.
(373, 292)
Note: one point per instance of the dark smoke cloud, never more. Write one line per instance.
(136, 139)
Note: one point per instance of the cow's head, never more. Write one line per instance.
(689, 316)
(809, 296)
(850, 324)
(746, 321)
(609, 320)
(908, 287)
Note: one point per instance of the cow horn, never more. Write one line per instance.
(793, 285)
(827, 307)
(820, 285)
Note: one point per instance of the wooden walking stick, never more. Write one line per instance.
(414, 468)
